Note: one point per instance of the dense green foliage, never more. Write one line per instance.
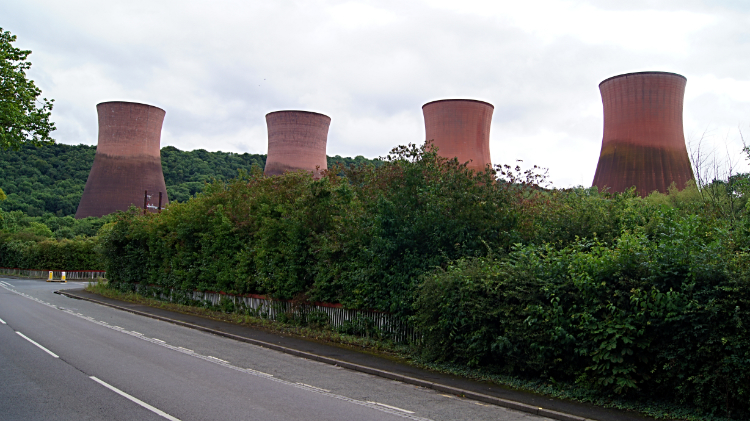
(47, 179)
(620, 294)
(361, 239)
(24, 118)
(49, 242)
(51, 178)
(660, 315)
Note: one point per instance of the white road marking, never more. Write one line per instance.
(403, 413)
(42, 348)
(134, 399)
(2, 322)
(313, 387)
(185, 349)
(392, 407)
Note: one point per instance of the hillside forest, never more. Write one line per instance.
(50, 179)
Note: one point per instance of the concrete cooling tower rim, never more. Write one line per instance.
(129, 102)
(298, 111)
(641, 73)
(459, 100)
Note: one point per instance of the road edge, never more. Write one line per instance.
(505, 403)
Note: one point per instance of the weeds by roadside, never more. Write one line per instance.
(317, 333)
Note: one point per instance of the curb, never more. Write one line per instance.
(356, 367)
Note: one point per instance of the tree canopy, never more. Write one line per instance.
(23, 117)
(50, 179)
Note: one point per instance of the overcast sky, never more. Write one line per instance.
(217, 67)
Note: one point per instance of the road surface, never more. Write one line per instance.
(63, 359)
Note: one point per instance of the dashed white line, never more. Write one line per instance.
(392, 407)
(2, 322)
(134, 399)
(185, 349)
(159, 340)
(218, 359)
(42, 348)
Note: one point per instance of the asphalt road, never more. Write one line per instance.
(88, 361)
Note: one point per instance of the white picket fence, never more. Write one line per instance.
(369, 322)
(56, 274)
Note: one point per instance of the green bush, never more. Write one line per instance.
(660, 314)
(28, 251)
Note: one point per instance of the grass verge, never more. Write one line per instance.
(320, 334)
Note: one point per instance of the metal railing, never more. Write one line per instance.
(368, 323)
(56, 274)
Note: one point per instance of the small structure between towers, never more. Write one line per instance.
(643, 143)
(460, 128)
(127, 161)
(297, 141)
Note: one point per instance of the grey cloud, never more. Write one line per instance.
(218, 69)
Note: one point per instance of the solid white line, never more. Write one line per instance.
(313, 387)
(43, 348)
(134, 399)
(159, 340)
(392, 407)
(217, 359)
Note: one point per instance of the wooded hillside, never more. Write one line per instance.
(51, 178)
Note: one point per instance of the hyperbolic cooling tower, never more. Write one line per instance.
(296, 141)
(460, 128)
(127, 161)
(643, 143)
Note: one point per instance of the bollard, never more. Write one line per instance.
(49, 278)
(63, 277)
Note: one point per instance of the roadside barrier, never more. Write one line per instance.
(55, 274)
(359, 322)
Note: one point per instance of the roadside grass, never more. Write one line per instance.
(320, 334)
(408, 354)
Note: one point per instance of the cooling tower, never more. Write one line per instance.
(127, 160)
(296, 141)
(643, 143)
(460, 128)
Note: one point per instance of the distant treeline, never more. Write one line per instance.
(51, 178)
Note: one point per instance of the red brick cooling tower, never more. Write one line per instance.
(296, 141)
(643, 143)
(460, 128)
(127, 160)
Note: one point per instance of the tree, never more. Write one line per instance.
(23, 117)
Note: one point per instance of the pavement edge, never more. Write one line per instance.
(561, 416)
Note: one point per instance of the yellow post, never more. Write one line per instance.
(49, 278)
(63, 277)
